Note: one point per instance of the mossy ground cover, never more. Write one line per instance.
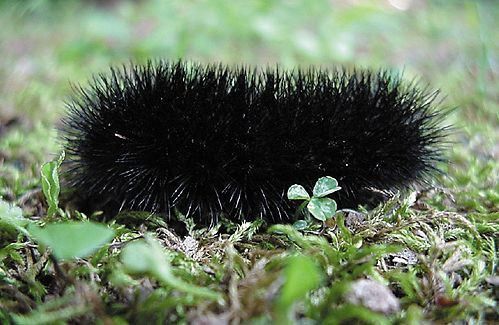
(425, 256)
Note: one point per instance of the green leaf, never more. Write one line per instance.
(297, 192)
(11, 217)
(348, 314)
(322, 208)
(139, 258)
(301, 275)
(70, 240)
(325, 186)
(50, 184)
(300, 225)
(147, 256)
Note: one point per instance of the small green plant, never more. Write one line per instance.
(319, 206)
(69, 240)
(146, 256)
(296, 286)
(50, 185)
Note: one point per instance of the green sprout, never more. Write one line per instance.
(319, 206)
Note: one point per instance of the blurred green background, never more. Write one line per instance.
(451, 45)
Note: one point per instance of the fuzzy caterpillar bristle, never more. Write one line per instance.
(209, 139)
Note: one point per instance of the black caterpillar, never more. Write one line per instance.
(211, 140)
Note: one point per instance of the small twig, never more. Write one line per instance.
(25, 302)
